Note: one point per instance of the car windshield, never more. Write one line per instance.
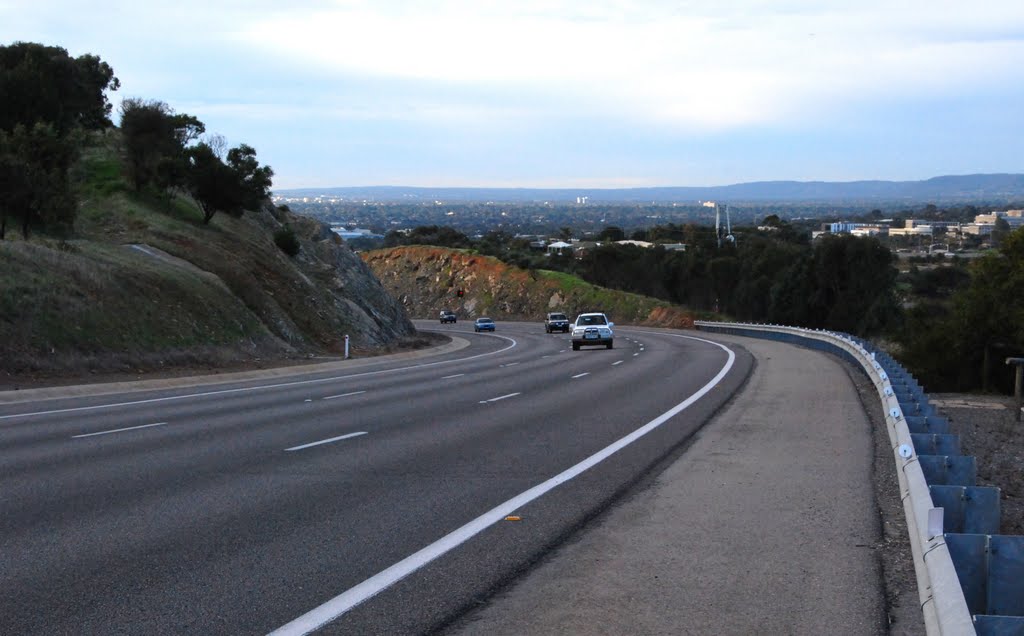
(591, 320)
(484, 320)
(557, 317)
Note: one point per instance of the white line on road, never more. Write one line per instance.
(635, 354)
(261, 386)
(615, 364)
(331, 397)
(510, 364)
(580, 375)
(499, 398)
(326, 441)
(332, 609)
(449, 377)
(119, 430)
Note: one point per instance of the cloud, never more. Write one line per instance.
(705, 66)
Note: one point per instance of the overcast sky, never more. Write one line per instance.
(593, 93)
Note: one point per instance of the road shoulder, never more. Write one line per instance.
(767, 523)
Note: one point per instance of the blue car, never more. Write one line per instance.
(483, 324)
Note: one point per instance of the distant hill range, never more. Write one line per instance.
(974, 188)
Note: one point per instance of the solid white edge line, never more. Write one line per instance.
(119, 430)
(332, 397)
(332, 609)
(580, 375)
(262, 386)
(326, 441)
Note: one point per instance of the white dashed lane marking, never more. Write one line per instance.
(119, 430)
(334, 397)
(326, 441)
(499, 398)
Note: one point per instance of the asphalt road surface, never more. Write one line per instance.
(377, 497)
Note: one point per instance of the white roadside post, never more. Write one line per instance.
(346, 346)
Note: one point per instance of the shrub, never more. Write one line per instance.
(286, 240)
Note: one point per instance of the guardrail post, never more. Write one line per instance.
(1018, 382)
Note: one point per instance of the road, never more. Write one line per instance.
(381, 497)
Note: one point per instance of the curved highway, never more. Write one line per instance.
(384, 496)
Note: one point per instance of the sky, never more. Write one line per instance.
(566, 93)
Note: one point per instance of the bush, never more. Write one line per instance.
(285, 239)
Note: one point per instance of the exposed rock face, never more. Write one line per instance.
(426, 280)
(332, 292)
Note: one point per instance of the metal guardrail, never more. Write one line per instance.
(942, 598)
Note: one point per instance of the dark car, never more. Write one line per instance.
(448, 316)
(483, 324)
(556, 322)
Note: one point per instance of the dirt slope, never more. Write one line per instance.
(426, 280)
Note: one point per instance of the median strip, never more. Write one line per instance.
(119, 430)
(326, 441)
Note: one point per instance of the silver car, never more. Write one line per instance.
(592, 329)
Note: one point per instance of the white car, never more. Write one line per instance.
(592, 329)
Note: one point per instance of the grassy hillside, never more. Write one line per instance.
(426, 280)
(142, 284)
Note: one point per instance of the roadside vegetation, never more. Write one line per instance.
(951, 320)
(151, 245)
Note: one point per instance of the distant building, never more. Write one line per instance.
(355, 233)
(559, 247)
(857, 229)
(913, 227)
(870, 230)
(985, 223)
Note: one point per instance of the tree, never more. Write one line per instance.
(34, 164)
(611, 233)
(15, 186)
(254, 181)
(212, 183)
(48, 98)
(43, 84)
(854, 282)
(989, 314)
(231, 187)
(155, 139)
(999, 231)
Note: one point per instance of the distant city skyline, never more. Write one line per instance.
(596, 94)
